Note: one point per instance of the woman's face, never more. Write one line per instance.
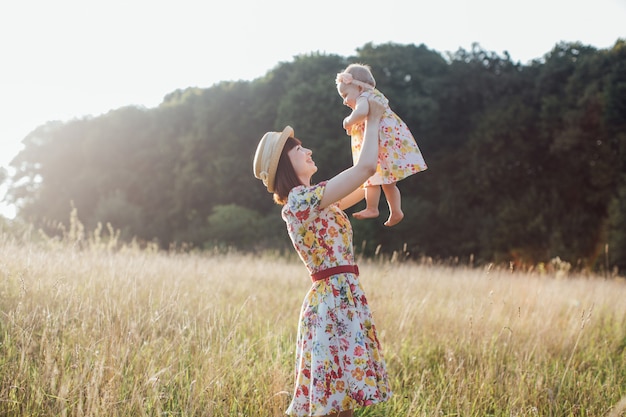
(302, 163)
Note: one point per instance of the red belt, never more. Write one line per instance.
(325, 273)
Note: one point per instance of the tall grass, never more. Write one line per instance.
(101, 329)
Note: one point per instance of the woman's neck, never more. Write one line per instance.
(305, 181)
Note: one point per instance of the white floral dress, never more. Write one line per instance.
(398, 153)
(339, 363)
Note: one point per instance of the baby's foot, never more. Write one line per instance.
(394, 218)
(367, 213)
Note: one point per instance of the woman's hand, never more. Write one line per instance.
(376, 110)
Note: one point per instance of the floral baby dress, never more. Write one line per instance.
(398, 153)
(339, 364)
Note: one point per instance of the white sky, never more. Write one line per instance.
(64, 59)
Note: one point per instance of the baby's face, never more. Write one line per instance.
(349, 93)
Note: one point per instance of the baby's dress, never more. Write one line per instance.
(339, 363)
(398, 153)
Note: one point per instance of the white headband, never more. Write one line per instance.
(347, 78)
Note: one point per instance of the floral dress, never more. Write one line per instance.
(339, 363)
(398, 153)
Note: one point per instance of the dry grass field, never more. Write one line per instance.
(88, 330)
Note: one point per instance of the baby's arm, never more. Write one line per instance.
(359, 113)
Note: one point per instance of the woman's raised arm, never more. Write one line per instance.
(344, 183)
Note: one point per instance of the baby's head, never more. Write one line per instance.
(352, 81)
(359, 72)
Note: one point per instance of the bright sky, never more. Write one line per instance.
(64, 59)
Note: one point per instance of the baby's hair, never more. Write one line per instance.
(361, 72)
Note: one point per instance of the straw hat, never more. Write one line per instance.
(267, 155)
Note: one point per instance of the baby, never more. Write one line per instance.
(398, 153)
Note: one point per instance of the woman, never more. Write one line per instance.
(339, 364)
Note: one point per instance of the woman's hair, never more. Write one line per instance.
(361, 72)
(286, 178)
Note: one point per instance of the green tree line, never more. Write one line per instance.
(526, 162)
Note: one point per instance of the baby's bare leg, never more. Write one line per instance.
(394, 201)
(372, 197)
